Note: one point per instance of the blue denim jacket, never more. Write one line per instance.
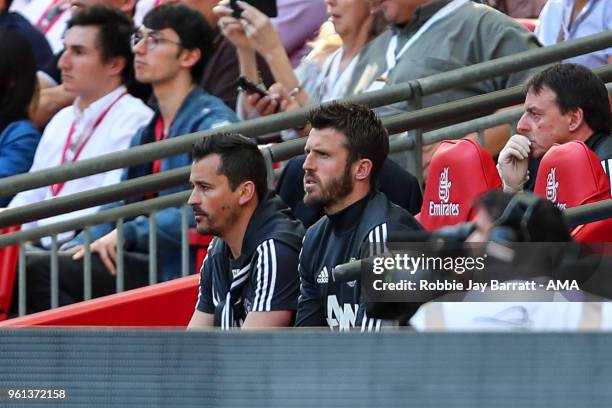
(199, 111)
(18, 142)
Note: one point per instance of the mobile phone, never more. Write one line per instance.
(268, 7)
(249, 87)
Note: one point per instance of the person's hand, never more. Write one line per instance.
(287, 103)
(106, 247)
(231, 27)
(512, 163)
(264, 105)
(259, 30)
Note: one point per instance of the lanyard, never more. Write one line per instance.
(57, 188)
(333, 83)
(51, 15)
(159, 135)
(393, 57)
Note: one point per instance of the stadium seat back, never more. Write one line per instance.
(200, 244)
(8, 268)
(460, 170)
(571, 175)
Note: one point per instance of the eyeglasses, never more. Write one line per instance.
(151, 39)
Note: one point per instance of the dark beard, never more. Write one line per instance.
(337, 189)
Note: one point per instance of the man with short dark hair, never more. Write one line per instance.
(95, 65)
(563, 103)
(170, 54)
(344, 155)
(249, 278)
(428, 37)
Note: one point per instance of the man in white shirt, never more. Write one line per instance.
(171, 51)
(95, 66)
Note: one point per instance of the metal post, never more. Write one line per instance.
(185, 240)
(152, 248)
(417, 152)
(267, 154)
(54, 273)
(21, 279)
(513, 126)
(87, 264)
(481, 137)
(120, 283)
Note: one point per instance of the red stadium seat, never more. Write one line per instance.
(8, 268)
(200, 242)
(571, 175)
(460, 170)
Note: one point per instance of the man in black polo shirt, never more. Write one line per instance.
(563, 103)
(249, 277)
(344, 155)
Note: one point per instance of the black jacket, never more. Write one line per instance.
(338, 239)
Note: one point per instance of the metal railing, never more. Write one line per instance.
(392, 94)
(429, 117)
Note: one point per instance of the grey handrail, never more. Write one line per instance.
(281, 151)
(588, 213)
(126, 211)
(435, 83)
(574, 216)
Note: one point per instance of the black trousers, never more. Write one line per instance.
(38, 278)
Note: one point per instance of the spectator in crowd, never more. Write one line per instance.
(564, 102)
(35, 40)
(53, 96)
(428, 37)
(50, 18)
(18, 137)
(356, 23)
(249, 278)
(103, 118)
(221, 74)
(562, 20)
(518, 8)
(344, 155)
(171, 51)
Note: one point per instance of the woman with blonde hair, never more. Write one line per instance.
(323, 75)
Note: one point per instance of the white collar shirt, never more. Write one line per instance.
(112, 134)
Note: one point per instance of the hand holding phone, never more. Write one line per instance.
(268, 7)
(250, 88)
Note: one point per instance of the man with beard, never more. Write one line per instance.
(249, 277)
(344, 154)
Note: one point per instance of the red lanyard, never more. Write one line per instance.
(159, 135)
(57, 188)
(157, 4)
(47, 21)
